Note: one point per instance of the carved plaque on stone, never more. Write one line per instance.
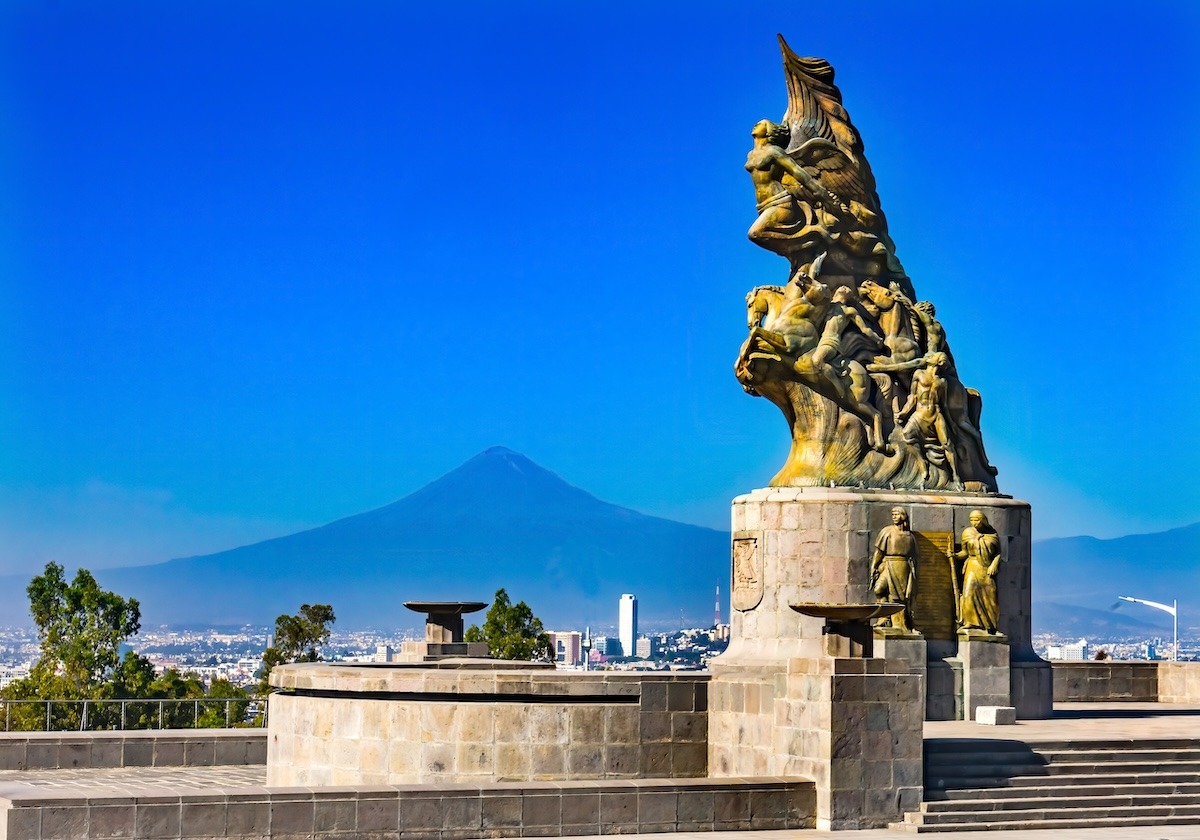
(747, 573)
(933, 608)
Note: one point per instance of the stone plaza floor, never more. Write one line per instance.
(1071, 721)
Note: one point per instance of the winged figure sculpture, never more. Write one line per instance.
(815, 190)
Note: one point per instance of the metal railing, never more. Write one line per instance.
(132, 714)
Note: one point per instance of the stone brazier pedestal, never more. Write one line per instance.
(782, 704)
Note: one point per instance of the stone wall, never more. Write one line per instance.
(343, 725)
(1179, 682)
(1098, 681)
(455, 812)
(155, 748)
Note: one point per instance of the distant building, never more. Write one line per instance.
(568, 646)
(644, 647)
(1077, 652)
(11, 673)
(627, 624)
(383, 653)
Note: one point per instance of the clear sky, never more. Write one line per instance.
(266, 265)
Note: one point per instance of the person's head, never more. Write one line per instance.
(978, 520)
(842, 294)
(935, 360)
(899, 517)
(774, 133)
(926, 307)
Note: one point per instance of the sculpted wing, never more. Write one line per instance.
(822, 136)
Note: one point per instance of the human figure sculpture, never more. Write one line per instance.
(978, 606)
(926, 425)
(791, 203)
(894, 569)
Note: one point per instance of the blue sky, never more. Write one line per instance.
(263, 268)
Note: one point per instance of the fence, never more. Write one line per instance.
(92, 715)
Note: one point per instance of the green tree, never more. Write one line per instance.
(298, 638)
(512, 631)
(80, 629)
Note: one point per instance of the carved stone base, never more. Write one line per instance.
(814, 544)
(853, 726)
(985, 671)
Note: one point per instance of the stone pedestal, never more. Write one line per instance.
(985, 673)
(785, 703)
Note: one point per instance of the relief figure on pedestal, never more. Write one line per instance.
(894, 569)
(924, 421)
(978, 606)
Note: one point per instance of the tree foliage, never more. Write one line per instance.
(512, 631)
(80, 628)
(298, 638)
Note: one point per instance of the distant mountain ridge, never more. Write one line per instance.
(499, 520)
(1090, 573)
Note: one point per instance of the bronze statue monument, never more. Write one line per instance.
(862, 373)
(978, 608)
(894, 570)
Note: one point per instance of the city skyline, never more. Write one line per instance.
(253, 256)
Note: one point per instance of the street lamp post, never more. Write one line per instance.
(1173, 610)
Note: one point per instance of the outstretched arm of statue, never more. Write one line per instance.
(814, 187)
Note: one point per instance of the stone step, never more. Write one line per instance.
(973, 746)
(1087, 822)
(1035, 759)
(1049, 813)
(1035, 802)
(944, 777)
(1164, 788)
(1056, 782)
(1118, 755)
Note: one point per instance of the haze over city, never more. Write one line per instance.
(266, 268)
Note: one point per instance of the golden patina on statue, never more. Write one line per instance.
(860, 369)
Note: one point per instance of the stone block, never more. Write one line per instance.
(621, 724)
(656, 761)
(654, 696)
(339, 816)
(462, 811)
(731, 809)
(695, 807)
(156, 821)
(105, 821)
(622, 762)
(420, 814)
(169, 753)
(499, 812)
(585, 762)
(200, 819)
(581, 809)
(655, 727)
(248, 818)
(25, 823)
(657, 807)
(548, 761)
(689, 760)
(617, 810)
(996, 715)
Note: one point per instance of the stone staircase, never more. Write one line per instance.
(990, 785)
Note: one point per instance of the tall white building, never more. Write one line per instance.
(627, 624)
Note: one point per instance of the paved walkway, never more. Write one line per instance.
(1085, 722)
(1187, 832)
